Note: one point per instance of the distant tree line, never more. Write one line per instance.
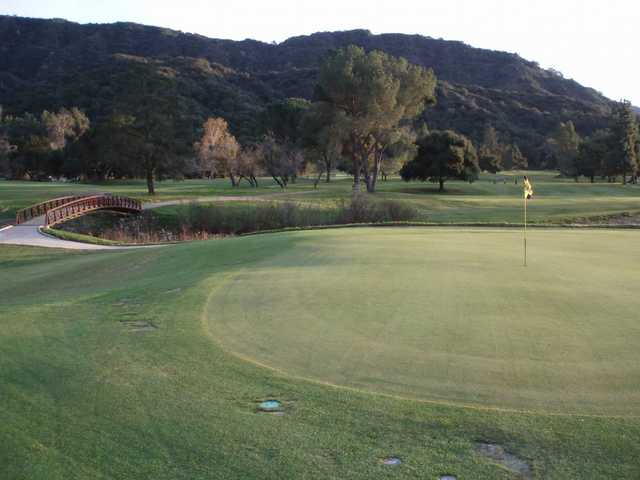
(366, 119)
(612, 153)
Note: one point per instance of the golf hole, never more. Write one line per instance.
(448, 477)
(392, 461)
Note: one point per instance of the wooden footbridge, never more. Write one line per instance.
(62, 209)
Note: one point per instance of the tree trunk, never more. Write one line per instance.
(373, 176)
(371, 180)
(317, 180)
(592, 179)
(234, 183)
(356, 176)
(151, 188)
(328, 167)
(441, 181)
(278, 182)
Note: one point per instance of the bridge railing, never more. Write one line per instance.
(38, 209)
(86, 204)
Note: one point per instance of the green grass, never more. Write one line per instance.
(84, 396)
(556, 200)
(447, 314)
(77, 237)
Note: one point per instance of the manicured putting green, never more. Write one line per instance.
(447, 315)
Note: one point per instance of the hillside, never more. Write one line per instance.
(50, 63)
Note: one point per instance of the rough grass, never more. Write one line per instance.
(84, 396)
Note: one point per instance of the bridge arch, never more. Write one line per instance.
(61, 209)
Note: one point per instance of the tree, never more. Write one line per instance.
(217, 150)
(66, 124)
(100, 153)
(403, 150)
(247, 165)
(284, 121)
(151, 135)
(491, 152)
(623, 159)
(489, 162)
(442, 155)
(369, 95)
(592, 154)
(30, 148)
(490, 141)
(566, 143)
(322, 139)
(514, 159)
(158, 132)
(278, 161)
(5, 149)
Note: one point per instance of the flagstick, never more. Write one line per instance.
(525, 230)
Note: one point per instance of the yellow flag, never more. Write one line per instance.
(528, 189)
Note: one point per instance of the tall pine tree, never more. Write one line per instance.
(623, 159)
(566, 145)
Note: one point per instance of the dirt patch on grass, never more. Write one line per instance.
(499, 455)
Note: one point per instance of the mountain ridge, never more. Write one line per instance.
(476, 87)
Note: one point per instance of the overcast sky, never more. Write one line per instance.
(595, 42)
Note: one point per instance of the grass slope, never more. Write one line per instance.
(85, 395)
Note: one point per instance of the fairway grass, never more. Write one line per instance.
(448, 314)
(86, 392)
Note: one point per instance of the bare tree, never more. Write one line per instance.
(247, 165)
(282, 162)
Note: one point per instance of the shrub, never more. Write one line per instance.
(227, 219)
(203, 221)
(361, 209)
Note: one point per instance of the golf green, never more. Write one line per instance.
(446, 315)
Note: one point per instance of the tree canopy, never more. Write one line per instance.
(566, 143)
(369, 95)
(442, 155)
